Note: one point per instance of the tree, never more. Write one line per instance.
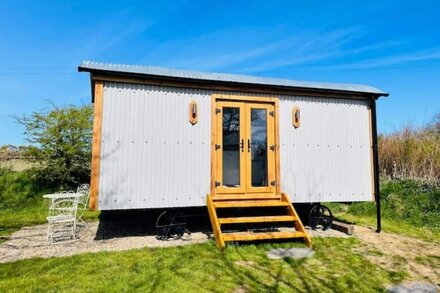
(61, 144)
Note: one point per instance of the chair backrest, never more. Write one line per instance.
(64, 205)
(84, 199)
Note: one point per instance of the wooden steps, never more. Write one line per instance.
(263, 219)
(266, 207)
(249, 236)
(250, 203)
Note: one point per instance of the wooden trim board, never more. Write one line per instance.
(277, 147)
(232, 87)
(213, 156)
(96, 145)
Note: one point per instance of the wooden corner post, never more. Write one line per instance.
(96, 145)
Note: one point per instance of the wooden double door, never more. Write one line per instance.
(244, 147)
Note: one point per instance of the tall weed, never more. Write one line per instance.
(411, 153)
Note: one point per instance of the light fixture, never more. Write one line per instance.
(296, 116)
(193, 112)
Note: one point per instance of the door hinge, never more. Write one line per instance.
(217, 110)
(217, 147)
(272, 113)
(272, 147)
(217, 183)
(273, 183)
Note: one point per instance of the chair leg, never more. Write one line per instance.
(48, 233)
(74, 230)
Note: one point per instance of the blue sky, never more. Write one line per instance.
(392, 45)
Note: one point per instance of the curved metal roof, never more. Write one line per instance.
(121, 69)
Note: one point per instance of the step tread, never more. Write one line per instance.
(249, 236)
(250, 203)
(260, 219)
(256, 196)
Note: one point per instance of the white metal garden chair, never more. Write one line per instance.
(62, 217)
(83, 201)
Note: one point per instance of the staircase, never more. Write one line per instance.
(235, 218)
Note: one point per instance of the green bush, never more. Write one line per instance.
(61, 140)
(410, 201)
(18, 189)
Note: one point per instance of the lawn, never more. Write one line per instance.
(336, 266)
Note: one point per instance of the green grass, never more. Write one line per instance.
(13, 219)
(408, 207)
(336, 266)
(392, 226)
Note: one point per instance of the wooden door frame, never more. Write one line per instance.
(242, 155)
(240, 98)
(270, 155)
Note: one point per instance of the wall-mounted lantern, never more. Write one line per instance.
(193, 112)
(296, 117)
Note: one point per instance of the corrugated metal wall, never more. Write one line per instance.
(328, 157)
(152, 157)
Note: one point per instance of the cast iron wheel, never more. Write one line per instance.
(320, 216)
(170, 224)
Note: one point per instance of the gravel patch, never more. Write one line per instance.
(327, 233)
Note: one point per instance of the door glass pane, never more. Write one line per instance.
(259, 147)
(231, 147)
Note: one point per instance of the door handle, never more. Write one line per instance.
(249, 145)
(242, 145)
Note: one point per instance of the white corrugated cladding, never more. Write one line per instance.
(328, 157)
(151, 156)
